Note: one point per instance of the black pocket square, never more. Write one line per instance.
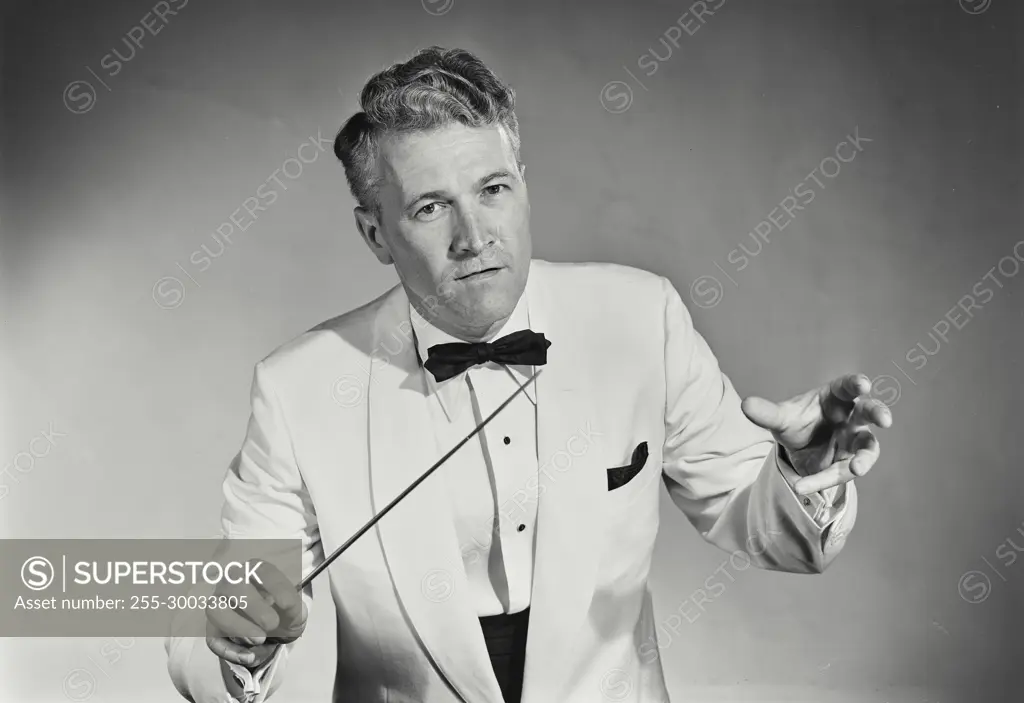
(621, 475)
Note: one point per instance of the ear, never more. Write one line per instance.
(369, 227)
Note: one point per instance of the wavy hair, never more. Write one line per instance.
(434, 88)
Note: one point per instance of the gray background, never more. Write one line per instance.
(151, 402)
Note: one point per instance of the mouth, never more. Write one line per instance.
(482, 273)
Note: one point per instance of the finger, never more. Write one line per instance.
(264, 651)
(235, 627)
(866, 450)
(272, 581)
(261, 652)
(281, 594)
(765, 414)
(873, 411)
(835, 475)
(229, 651)
(838, 400)
(234, 624)
(258, 608)
(240, 593)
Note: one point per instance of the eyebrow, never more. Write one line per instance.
(500, 173)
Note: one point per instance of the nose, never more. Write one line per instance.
(472, 235)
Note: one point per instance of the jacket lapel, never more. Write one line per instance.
(572, 483)
(418, 536)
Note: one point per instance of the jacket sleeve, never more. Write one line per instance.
(723, 471)
(265, 497)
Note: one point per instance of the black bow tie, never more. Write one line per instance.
(525, 347)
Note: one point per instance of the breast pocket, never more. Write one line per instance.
(631, 482)
(630, 518)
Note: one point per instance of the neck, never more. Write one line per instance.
(465, 332)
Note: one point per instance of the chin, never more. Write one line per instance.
(481, 310)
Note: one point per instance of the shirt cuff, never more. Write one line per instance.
(251, 680)
(824, 506)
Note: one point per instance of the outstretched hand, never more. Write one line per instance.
(826, 431)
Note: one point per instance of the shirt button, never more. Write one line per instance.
(807, 501)
(521, 527)
(508, 440)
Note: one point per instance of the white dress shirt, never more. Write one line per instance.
(495, 524)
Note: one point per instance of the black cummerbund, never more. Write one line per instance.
(505, 636)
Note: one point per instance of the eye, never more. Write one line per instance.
(494, 189)
(428, 210)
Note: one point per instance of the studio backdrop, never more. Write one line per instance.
(832, 186)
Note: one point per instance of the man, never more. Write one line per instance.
(518, 571)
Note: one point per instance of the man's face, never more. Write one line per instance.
(455, 222)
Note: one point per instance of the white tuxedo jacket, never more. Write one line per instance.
(340, 425)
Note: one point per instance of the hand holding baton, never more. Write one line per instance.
(280, 609)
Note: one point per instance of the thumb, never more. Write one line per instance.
(765, 414)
